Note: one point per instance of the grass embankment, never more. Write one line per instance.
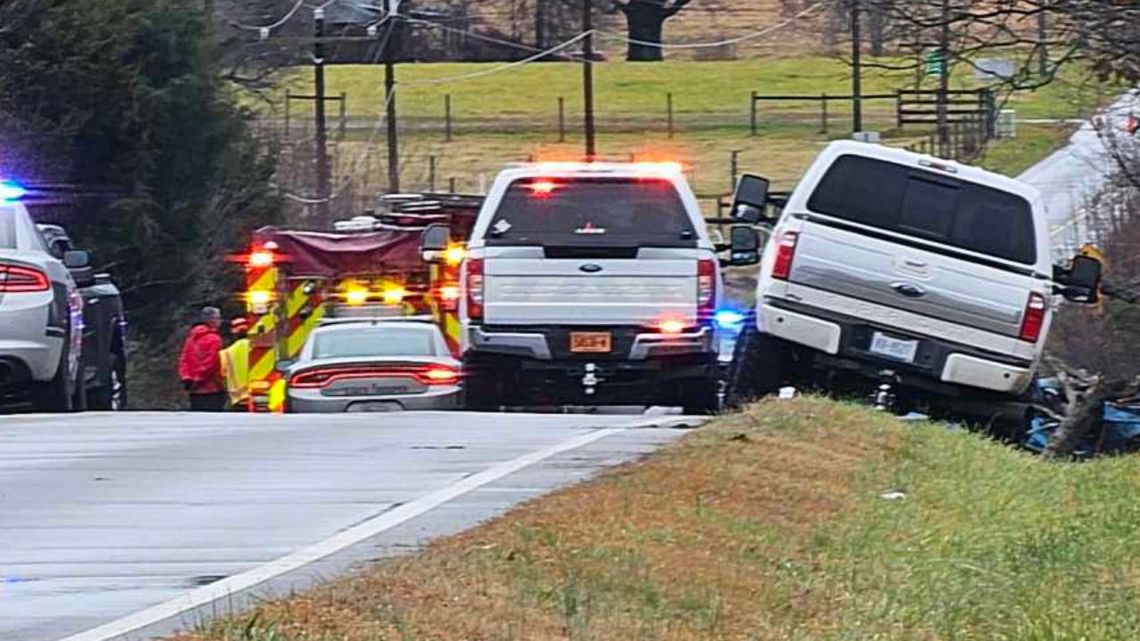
(770, 525)
(511, 116)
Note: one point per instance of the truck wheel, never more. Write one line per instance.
(758, 367)
(700, 397)
(481, 385)
(58, 394)
(112, 394)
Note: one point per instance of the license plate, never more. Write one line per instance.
(894, 348)
(591, 342)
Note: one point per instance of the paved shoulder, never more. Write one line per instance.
(105, 515)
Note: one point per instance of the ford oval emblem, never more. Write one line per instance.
(591, 268)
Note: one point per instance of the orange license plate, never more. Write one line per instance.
(591, 342)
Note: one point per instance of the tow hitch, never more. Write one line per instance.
(590, 380)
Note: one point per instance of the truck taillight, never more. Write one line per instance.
(1034, 318)
(474, 267)
(706, 287)
(785, 254)
(17, 279)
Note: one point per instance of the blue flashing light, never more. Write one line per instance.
(11, 190)
(729, 319)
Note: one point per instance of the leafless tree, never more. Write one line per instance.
(646, 25)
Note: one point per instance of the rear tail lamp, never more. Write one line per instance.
(706, 288)
(785, 254)
(474, 268)
(17, 279)
(1034, 318)
(425, 374)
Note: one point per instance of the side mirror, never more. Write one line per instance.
(745, 246)
(433, 242)
(76, 259)
(1080, 282)
(284, 365)
(750, 200)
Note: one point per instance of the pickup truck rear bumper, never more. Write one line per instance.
(552, 343)
(845, 342)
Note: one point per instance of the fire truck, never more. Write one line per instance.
(370, 266)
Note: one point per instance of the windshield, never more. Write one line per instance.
(592, 212)
(7, 227)
(928, 205)
(364, 342)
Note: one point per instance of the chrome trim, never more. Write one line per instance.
(511, 343)
(645, 345)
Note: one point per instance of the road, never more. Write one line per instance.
(102, 515)
(1071, 176)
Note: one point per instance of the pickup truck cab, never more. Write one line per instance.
(896, 268)
(590, 284)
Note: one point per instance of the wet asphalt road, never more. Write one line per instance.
(102, 515)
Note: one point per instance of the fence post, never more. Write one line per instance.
(451, 185)
(734, 168)
(288, 101)
(343, 114)
(956, 140)
(561, 119)
(898, 109)
(447, 117)
(755, 113)
(669, 101)
(431, 174)
(823, 113)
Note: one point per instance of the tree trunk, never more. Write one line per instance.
(646, 24)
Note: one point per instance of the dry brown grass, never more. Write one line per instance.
(680, 546)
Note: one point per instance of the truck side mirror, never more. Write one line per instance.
(434, 241)
(283, 365)
(1080, 282)
(750, 200)
(745, 246)
(76, 259)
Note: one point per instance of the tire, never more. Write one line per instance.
(700, 397)
(58, 394)
(759, 366)
(482, 385)
(112, 394)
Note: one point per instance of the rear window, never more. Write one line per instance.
(928, 205)
(7, 227)
(592, 212)
(374, 341)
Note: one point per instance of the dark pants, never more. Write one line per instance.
(208, 402)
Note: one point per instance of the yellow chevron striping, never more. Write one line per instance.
(297, 338)
(261, 370)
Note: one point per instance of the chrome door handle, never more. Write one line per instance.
(910, 290)
(910, 262)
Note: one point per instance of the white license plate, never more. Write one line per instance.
(894, 348)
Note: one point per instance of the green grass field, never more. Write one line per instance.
(512, 116)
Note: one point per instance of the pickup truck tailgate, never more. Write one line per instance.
(953, 289)
(589, 291)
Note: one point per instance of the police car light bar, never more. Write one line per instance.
(11, 190)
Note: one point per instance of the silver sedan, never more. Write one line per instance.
(374, 366)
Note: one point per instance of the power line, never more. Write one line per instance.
(501, 68)
(271, 27)
(722, 43)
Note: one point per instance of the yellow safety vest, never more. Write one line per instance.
(235, 369)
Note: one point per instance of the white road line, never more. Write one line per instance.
(239, 582)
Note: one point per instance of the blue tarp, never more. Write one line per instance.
(1121, 432)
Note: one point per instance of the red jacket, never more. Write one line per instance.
(200, 362)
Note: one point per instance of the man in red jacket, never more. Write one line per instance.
(199, 366)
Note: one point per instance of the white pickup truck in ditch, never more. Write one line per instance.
(888, 267)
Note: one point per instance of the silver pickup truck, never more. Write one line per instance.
(896, 268)
(591, 284)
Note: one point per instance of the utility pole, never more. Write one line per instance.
(323, 191)
(588, 77)
(540, 24)
(944, 76)
(390, 99)
(856, 67)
